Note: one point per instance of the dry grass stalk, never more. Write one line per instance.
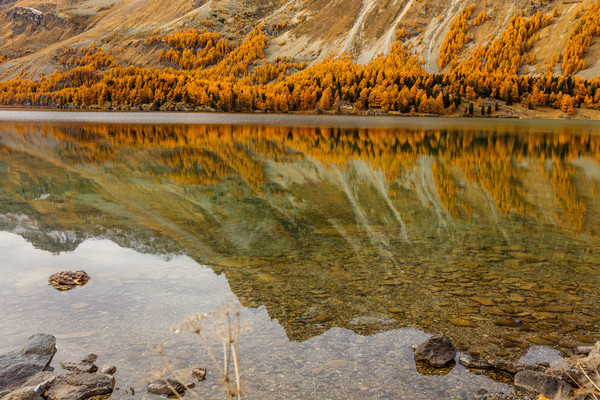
(227, 328)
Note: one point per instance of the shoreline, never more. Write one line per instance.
(325, 120)
(515, 111)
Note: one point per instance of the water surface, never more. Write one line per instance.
(344, 241)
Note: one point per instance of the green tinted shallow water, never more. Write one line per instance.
(343, 244)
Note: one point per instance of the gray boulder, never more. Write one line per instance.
(80, 386)
(437, 350)
(538, 382)
(18, 366)
(23, 394)
(41, 381)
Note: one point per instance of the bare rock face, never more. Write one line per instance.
(438, 351)
(68, 279)
(80, 386)
(18, 366)
(22, 17)
(538, 382)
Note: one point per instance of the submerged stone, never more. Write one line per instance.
(437, 350)
(165, 387)
(551, 387)
(462, 322)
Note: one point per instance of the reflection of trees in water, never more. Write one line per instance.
(209, 155)
(305, 221)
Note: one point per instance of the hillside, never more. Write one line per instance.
(270, 40)
(34, 32)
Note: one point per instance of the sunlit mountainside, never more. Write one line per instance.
(428, 57)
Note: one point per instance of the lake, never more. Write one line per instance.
(344, 241)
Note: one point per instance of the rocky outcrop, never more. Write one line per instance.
(17, 367)
(68, 280)
(22, 17)
(538, 382)
(437, 350)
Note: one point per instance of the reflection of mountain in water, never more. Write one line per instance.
(478, 234)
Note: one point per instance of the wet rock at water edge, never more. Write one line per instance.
(90, 358)
(79, 367)
(484, 394)
(199, 374)
(165, 387)
(79, 386)
(33, 387)
(68, 280)
(592, 361)
(514, 368)
(26, 393)
(470, 362)
(85, 365)
(18, 366)
(538, 382)
(437, 350)
(584, 350)
(109, 370)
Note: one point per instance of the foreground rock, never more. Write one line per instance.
(80, 386)
(34, 388)
(68, 280)
(592, 361)
(166, 387)
(23, 394)
(538, 382)
(18, 366)
(85, 365)
(110, 370)
(514, 368)
(470, 362)
(199, 374)
(437, 350)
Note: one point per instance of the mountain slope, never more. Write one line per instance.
(33, 32)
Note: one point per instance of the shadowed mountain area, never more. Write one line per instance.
(487, 234)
